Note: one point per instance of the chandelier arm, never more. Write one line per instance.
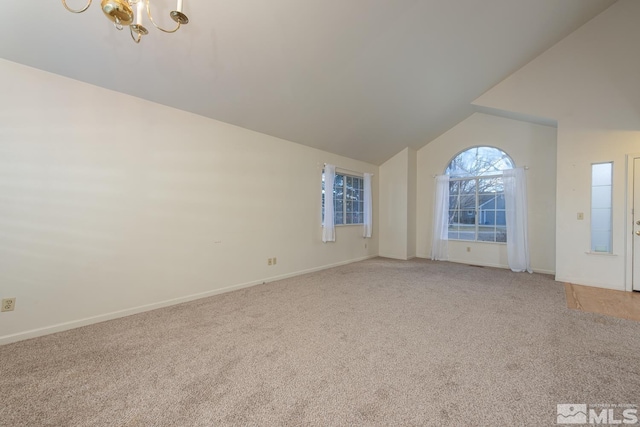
(64, 3)
(154, 23)
(135, 39)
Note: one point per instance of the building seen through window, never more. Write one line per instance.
(476, 195)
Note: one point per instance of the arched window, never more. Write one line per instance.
(476, 195)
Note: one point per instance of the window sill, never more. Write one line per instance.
(347, 225)
(601, 253)
(477, 241)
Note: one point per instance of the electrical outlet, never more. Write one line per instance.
(468, 248)
(580, 216)
(269, 261)
(8, 304)
(275, 260)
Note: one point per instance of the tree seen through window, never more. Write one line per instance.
(476, 195)
(348, 199)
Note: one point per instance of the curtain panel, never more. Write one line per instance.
(368, 220)
(328, 224)
(440, 242)
(515, 197)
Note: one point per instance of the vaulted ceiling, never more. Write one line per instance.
(360, 78)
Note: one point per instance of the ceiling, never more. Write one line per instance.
(359, 78)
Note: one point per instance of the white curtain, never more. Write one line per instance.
(328, 226)
(440, 243)
(515, 197)
(367, 205)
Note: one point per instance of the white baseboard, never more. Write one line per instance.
(33, 333)
(398, 257)
(485, 264)
(551, 272)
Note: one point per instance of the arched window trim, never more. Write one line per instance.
(497, 173)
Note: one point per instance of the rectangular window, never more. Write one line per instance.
(348, 199)
(601, 207)
(477, 209)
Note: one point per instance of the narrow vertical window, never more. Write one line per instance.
(601, 204)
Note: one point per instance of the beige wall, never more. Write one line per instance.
(589, 83)
(110, 205)
(528, 145)
(397, 202)
(412, 191)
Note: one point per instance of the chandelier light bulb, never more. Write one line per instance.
(139, 12)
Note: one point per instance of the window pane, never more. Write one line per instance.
(478, 161)
(601, 207)
(467, 186)
(487, 201)
(601, 220)
(601, 174)
(468, 217)
(486, 234)
(501, 234)
(490, 185)
(348, 195)
(601, 241)
(468, 201)
(453, 202)
(453, 188)
(467, 232)
(476, 203)
(487, 217)
(601, 197)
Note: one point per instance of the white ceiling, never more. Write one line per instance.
(360, 78)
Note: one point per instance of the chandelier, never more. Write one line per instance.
(121, 13)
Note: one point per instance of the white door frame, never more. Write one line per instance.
(628, 227)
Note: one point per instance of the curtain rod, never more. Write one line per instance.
(349, 170)
(524, 167)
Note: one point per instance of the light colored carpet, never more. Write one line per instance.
(378, 342)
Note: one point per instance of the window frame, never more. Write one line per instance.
(498, 174)
(592, 231)
(345, 213)
(476, 209)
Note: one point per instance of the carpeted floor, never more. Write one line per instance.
(378, 342)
